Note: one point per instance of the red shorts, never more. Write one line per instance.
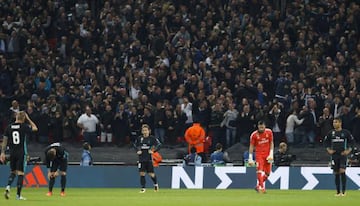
(262, 164)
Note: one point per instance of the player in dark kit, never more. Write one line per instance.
(146, 145)
(16, 134)
(339, 143)
(56, 158)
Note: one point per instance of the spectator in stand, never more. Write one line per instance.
(230, 123)
(159, 120)
(107, 121)
(246, 124)
(121, 125)
(276, 118)
(180, 120)
(215, 130)
(187, 108)
(325, 122)
(44, 125)
(88, 123)
(169, 127)
(292, 121)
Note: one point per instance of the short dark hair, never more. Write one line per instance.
(86, 146)
(218, 146)
(338, 119)
(260, 122)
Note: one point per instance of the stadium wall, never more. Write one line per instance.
(177, 177)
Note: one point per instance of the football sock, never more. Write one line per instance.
(11, 178)
(337, 182)
(19, 184)
(51, 183)
(142, 181)
(154, 179)
(265, 177)
(260, 179)
(63, 182)
(343, 182)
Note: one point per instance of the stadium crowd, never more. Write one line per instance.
(226, 64)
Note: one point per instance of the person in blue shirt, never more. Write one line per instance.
(217, 157)
(86, 158)
(193, 158)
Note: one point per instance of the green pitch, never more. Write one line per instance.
(183, 197)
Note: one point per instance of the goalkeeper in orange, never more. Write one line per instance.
(262, 141)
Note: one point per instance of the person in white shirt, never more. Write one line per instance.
(88, 123)
(291, 121)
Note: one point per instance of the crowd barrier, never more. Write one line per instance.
(178, 177)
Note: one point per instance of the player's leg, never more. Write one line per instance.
(267, 170)
(62, 182)
(12, 176)
(52, 176)
(13, 161)
(142, 170)
(20, 181)
(335, 166)
(20, 168)
(152, 174)
(342, 168)
(63, 169)
(260, 162)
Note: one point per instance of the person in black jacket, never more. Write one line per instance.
(56, 158)
(282, 156)
(146, 145)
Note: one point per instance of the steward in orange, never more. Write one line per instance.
(195, 137)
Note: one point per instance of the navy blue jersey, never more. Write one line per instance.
(16, 134)
(61, 154)
(339, 140)
(145, 144)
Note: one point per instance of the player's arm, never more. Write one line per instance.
(327, 144)
(350, 140)
(251, 158)
(157, 145)
(136, 146)
(270, 158)
(3, 148)
(34, 128)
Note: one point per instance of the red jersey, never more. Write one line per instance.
(262, 142)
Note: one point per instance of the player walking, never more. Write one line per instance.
(339, 143)
(15, 134)
(262, 141)
(146, 145)
(56, 158)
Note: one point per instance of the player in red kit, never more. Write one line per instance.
(262, 141)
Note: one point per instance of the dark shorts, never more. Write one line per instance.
(17, 161)
(59, 165)
(146, 167)
(337, 162)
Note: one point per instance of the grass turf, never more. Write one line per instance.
(208, 197)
